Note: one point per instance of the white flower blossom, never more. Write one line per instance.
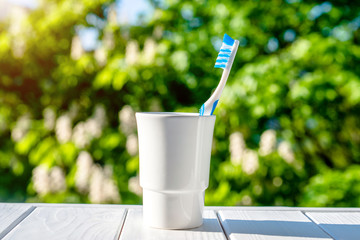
(41, 180)
(102, 187)
(112, 16)
(108, 171)
(18, 47)
(100, 115)
(21, 128)
(76, 48)
(100, 55)
(111, 191)
(63, 129)
(57, 179)
(48, 180)
(80, 136)
(17, 28)
(85, 132)
(127, 120)
(49, 118)
(149, 51)
(93, 128)
(267, 142)
(17, 15)
(134, 186)
(285, 151)
(95, 180)
(132, 144)
(237, 147)
(250, 162)
(96, 185)
(84, 164)
(132, 52)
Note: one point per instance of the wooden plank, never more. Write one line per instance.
(11, 215)
(302, 209)
(70, 223)
(79, 205)
(262, 225)
(345, 225)
(212, 208)
(134, 229)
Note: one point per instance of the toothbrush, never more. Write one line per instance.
(224, 60)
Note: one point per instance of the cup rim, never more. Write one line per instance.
(173, 114)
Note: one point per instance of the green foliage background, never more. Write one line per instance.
(296, 72)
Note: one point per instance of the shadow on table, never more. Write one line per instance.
(343, 231)
(291, 229)
(209, 225)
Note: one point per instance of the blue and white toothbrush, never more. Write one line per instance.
(224, 60)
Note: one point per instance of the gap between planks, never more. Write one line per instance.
(304, 213)
(17, 221)
(123, 222)
(222, 227)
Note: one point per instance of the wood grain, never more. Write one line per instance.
(345, 225)
(70, 223)
(262, 225)
(134, 229)
(11, 215)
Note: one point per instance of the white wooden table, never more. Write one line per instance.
(84, 221)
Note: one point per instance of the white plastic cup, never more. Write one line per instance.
(174, 152)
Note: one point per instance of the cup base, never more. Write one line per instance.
(180, 210)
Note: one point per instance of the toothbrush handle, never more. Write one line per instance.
(209, 106)
(217, 93)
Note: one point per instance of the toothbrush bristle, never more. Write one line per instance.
(228, 40)
(225, 51)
